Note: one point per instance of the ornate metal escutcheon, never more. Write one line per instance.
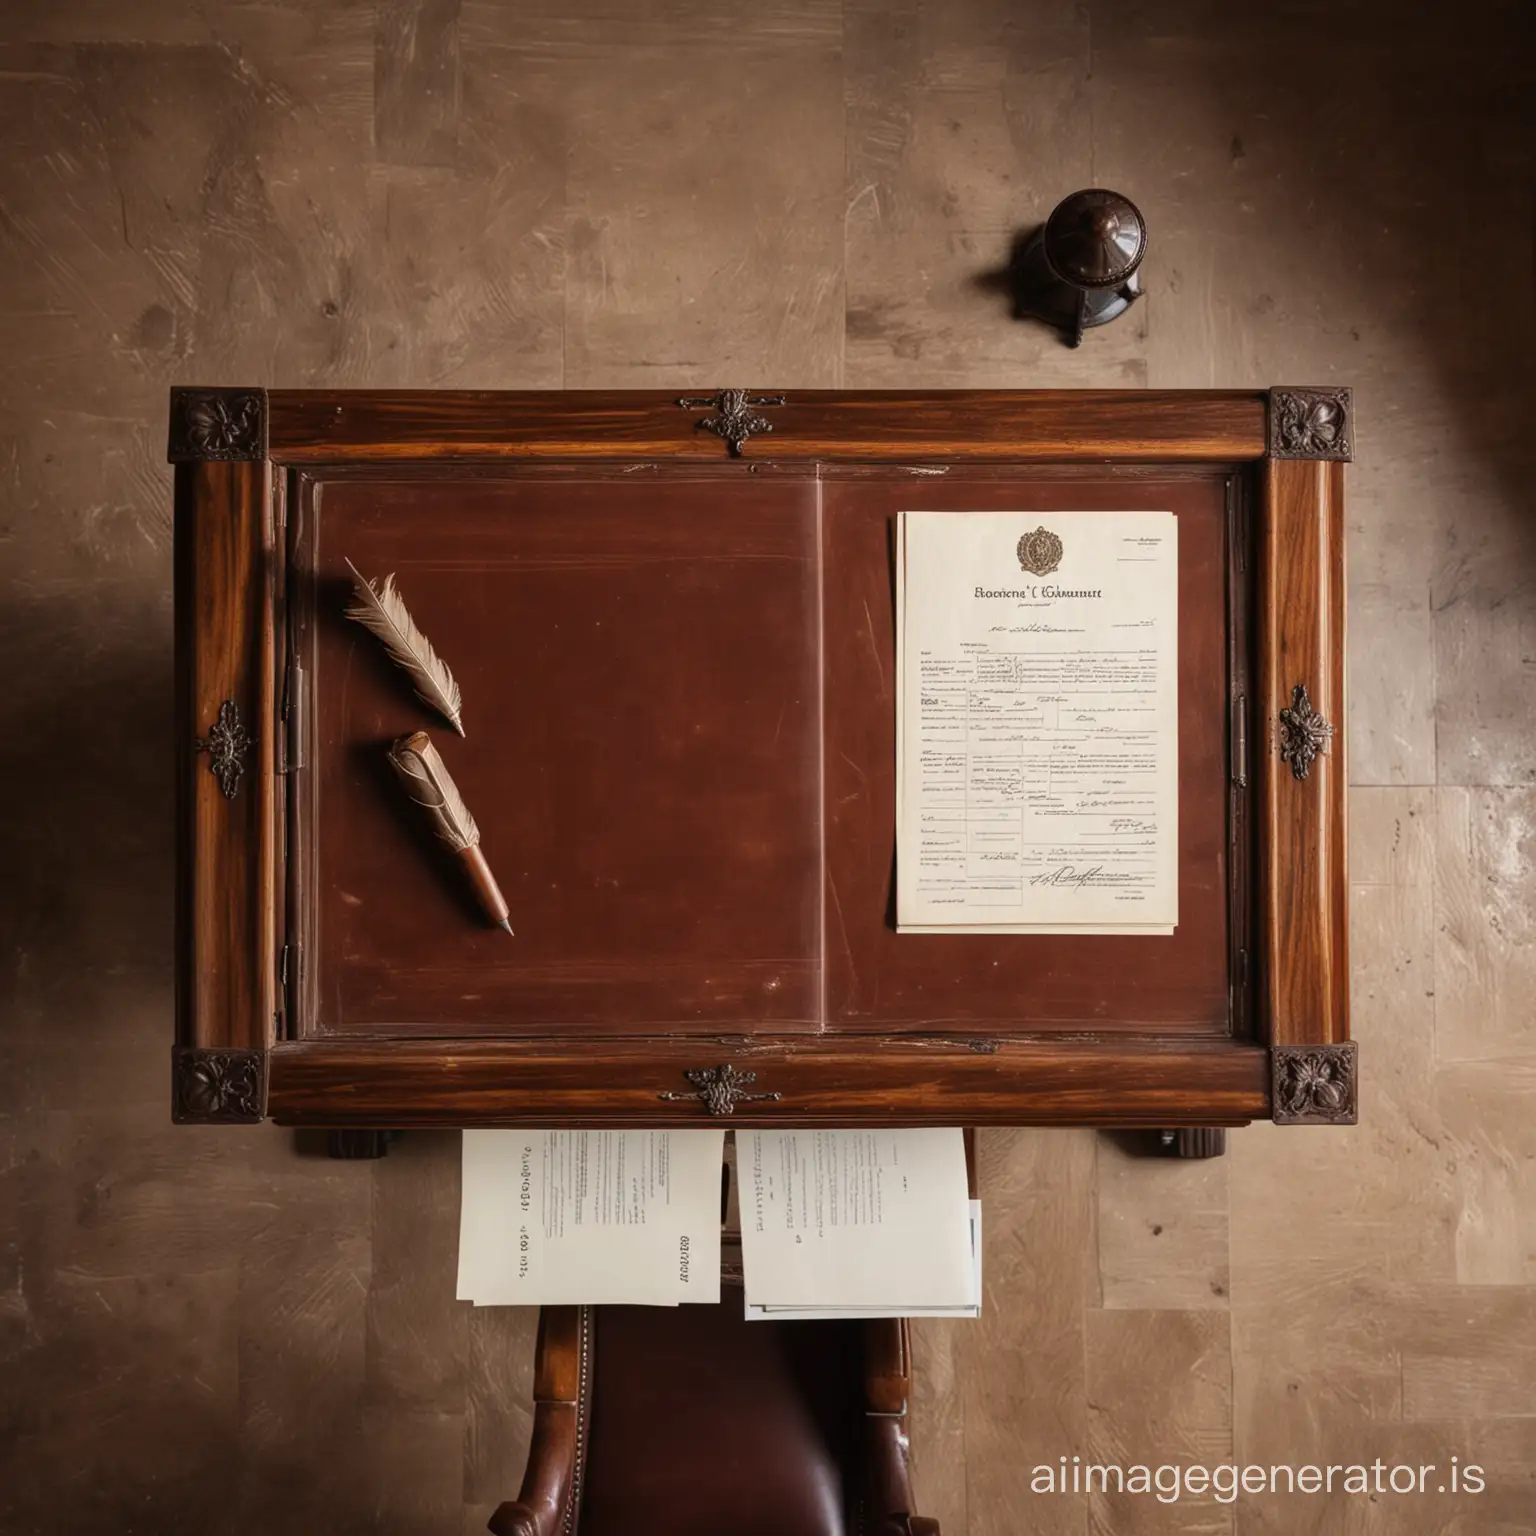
(1303, 732)
(720, 1089)
(735, 419)
(1313, 1084)
(226, 745)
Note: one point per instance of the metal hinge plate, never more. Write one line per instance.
(291, 754)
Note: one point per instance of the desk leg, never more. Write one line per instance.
(351, 1145)
(1194, 1141)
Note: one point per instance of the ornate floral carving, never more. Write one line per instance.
(1311, 424)
(217, 1087)
(1303, 733)
(736, 421)
(1313, 1084)
(227, 424)
(720, 1089)
(226, 745)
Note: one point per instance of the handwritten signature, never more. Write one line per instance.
(1065, 874)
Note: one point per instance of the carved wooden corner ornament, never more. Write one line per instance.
(217, 424)
(1311, 424)
(734, 420)
(217, 1087)
(1313, 1084)
(720, 1089)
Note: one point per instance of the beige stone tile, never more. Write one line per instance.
(1162, 1230)
(132, 1375)
(1342, 1379)
(142, 1193)
(1392, 997)
(938, 1438)
(1391, 838)
(227, 218)
(1390, 730)
(1491, 1135)
(1470, 1353)
(1505, 1450)
(1317, 1206)
(418, 1473)
(588, 28)
(1223, 305)
(1485, 639)
(679, 210)
(1159, 1385)
(1418, 1455)
(418, 1334)
(76, 293)
(1021, 1364)
(465, 285)
(416, 82)
(1313, 1363)
(1485, 957)
(965, 126)
(101, 21)
(117, 1024)
(498, 1402)
(303, 1360)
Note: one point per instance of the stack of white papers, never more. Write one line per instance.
(590, 1217)
(858, 1224)
(833, 1223)
(1037, 758)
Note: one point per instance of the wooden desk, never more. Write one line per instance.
(673, 624)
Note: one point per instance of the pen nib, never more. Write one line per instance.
(505, 924)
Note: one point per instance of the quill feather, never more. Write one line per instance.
(427, 782)
(382, 612)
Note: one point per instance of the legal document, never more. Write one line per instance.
(867, 1223)
(1037, 734)
(590, 1217)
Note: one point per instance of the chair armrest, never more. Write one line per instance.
(554, 1454)
(539, 1509)
(887, 1389)
(887, 1365)
(907, 1525)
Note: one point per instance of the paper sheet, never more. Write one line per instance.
(839, 1220)
(590, 1217)
(968, 1309)
(1037, 743)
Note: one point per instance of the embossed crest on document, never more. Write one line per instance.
(1040, 552)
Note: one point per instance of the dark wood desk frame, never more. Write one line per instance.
(237, 454)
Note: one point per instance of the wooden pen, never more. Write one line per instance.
(427, 781)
